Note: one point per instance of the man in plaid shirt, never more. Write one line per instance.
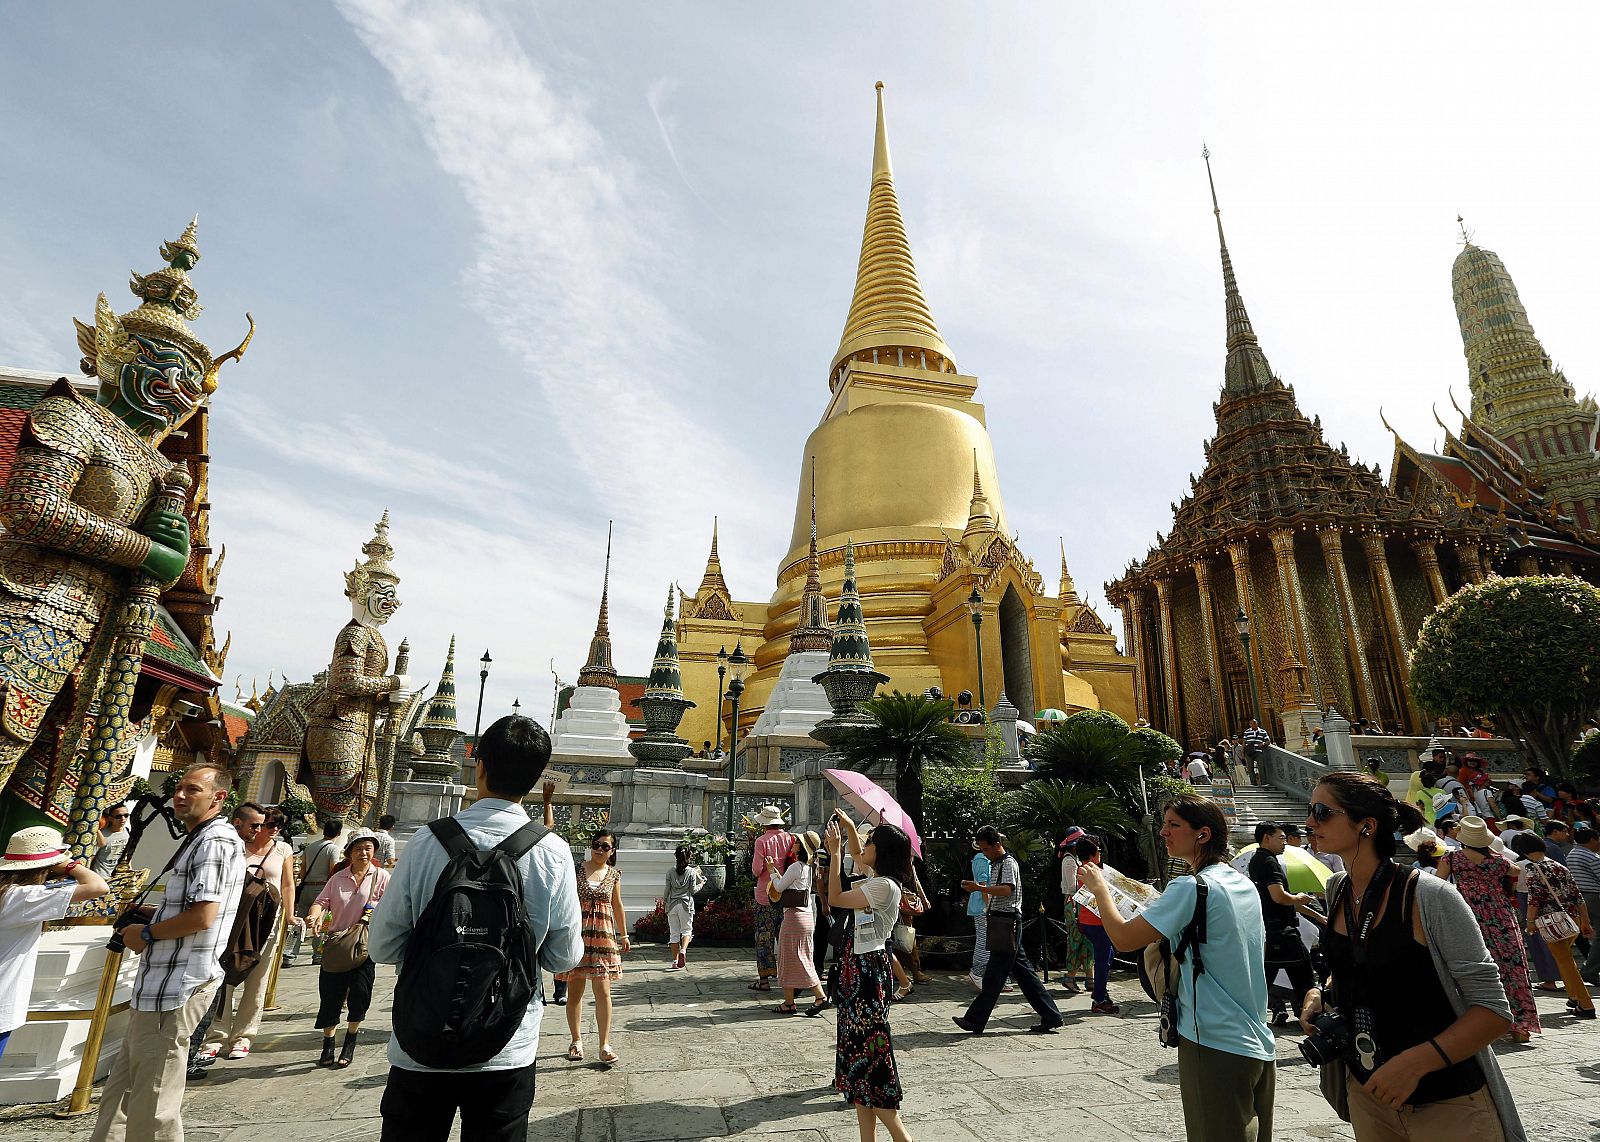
(180, 966)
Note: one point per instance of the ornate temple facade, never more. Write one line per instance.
(1518, 396)
(1334, 569)
(902, 465)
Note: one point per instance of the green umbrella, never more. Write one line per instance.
(1306, 872)
(1050, 715)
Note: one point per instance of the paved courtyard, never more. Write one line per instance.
(703, 1058)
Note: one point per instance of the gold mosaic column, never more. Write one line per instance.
(1239, 556)
(1471, 561)
(1399, 642)
(1208, 631)
(1132, 641)
(1169, 657)
(1142, 660)
(1332, 540)
(1429, 558)
(1293, 602)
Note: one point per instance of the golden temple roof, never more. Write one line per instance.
(887, 310)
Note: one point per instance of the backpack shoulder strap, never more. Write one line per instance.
(452, 836)
(1408, 897)
(518, 844)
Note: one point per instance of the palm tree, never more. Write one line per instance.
(909, 731)
(1047, 807)
(1086, 750)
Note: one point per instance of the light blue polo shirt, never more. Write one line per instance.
(1230, 1011)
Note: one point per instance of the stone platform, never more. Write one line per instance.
(704, 1058)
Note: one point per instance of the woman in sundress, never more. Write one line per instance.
(864, 1067)
(605, 939)
(1485, 879)
(796, 972)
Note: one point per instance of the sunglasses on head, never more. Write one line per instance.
(1321, 813)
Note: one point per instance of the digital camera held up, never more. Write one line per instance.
(1336, 1038)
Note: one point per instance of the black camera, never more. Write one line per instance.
(1333, 1039)
(137, 915)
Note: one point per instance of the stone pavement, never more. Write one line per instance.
(703, 1058)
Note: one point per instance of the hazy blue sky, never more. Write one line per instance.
(520, 268)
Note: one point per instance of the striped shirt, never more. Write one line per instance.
(1584, 865)
(211, 869)
(1005, 871)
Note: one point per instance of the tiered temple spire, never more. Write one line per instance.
(980, 516)
(889, 317)
(1247, 369)
(598, 670)
(812, 632)
(441, 713)
(850, 650)
(666, 678)
(1068, 592)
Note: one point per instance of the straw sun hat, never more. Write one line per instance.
(1473, 833)
(38, 847)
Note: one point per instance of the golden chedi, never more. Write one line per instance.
(904, 467)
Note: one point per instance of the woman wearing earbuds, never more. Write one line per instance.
(1410, 976)
(1227, 1072)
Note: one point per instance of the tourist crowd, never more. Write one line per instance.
(1400, 974)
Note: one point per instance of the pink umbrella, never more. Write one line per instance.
(871, 800)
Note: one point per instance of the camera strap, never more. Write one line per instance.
(1371, 900)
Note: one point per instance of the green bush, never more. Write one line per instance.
(1524, 651)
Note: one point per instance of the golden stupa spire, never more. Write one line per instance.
(889, 316)
(980, 516)
(1068, 592)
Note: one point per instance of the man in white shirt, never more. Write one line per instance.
(385, 840)
(180, 966)
(494, 1097)
(1197, 772)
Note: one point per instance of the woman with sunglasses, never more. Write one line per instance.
(1411, 977)
(111, 839)
(605, 939)
(1227, 1074)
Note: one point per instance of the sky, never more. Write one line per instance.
(523, 268)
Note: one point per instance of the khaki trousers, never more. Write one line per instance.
(1470, 1116)
(1571, 977)
(237, 1026)
(143, 1097)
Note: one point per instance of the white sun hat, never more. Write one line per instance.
(36, 847)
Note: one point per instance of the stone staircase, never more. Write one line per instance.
(1267, 803)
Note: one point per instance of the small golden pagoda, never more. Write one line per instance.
(904, 467)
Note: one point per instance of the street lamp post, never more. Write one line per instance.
(1241, 623)
(722, 670)
(483, 680)
(737, 662)
(975, 608)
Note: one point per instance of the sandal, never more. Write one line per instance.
(900, 995)
(759, 985)
(347, 1050)
(786, 1009)
(817, 1008)
(607, 1055)
(575, 1052)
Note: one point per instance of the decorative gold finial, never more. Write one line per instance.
(878, 85)
(1466, 235)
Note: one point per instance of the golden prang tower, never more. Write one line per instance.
(905, 469)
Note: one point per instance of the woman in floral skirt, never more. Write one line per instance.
(605, 938)
(864, 1068)
(1484, 878)
(1078, 953)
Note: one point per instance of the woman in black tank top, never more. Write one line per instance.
(1398, 990)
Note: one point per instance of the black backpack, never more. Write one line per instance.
(252, 928)
(470, 968)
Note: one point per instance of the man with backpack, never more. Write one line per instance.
(468, 1000)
